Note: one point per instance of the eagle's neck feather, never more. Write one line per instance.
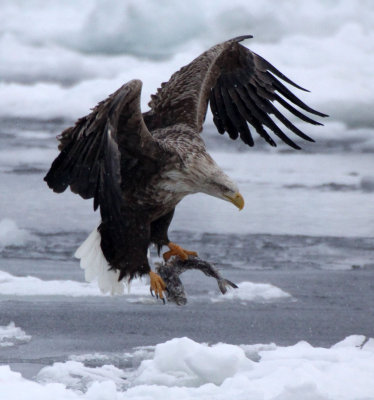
(198, 174)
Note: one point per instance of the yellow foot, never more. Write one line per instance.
(157, 285)
(176, 250)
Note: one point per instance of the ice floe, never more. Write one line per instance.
(11, 335)
(75, 375)
(137, 292)
(60, 58)
(11, 234)
(184, 369)
(32, 286)
(250, 291)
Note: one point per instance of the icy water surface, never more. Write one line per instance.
(301, 252)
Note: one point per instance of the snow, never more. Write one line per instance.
(11, 234)
(138, 290)
(58, 59)
(183, 362)
(184, 369)
(32, 286)
(75, 375)
(249, 291)
(11, 335)
(78, 53)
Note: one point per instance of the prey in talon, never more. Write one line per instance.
(138, 166)
(170, 273)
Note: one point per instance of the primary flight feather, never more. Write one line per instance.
(138, 166)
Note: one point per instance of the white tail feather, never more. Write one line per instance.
(96, 267)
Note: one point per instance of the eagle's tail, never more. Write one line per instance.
(96, 267)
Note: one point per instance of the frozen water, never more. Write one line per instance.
(32, 286)
(138, 289)
(183, 362)
(301, 248)
(308, 191)
(249, 291)
(12, 335)
(11, 235)
(76, 54)
(311, 188)
(75, 375)
(184, 369)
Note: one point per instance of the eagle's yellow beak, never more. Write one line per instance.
(236, 199)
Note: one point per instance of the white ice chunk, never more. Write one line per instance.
(32, 286)
(184, 362)
(75, 375)
(11, 235)
(12, 335)
(250, 291)
(184, 369)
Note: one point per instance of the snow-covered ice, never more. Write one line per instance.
(75, 375)
(250, 291)
(11, 285)
(32, 286)
(137, 292)
(11, 234)
(71, 53)
(11, 335)
(184, 369)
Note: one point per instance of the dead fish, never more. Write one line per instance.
(170, 271)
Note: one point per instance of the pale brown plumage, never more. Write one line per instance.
(137, 167)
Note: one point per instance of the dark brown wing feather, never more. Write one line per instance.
(97, 152)
(241, 87)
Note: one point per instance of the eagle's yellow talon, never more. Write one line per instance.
(157, 285)
(178, 251)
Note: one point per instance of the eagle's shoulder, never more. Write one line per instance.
(180, 140)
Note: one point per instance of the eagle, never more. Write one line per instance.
(138, 166)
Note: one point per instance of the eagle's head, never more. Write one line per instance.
(210, 179)
(201, 174)
(218, 184)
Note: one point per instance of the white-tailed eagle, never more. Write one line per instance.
(138, 166)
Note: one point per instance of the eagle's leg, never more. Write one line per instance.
(178, 251)
(130, 258)
(159, 236)
(159, 230)
(158, 286)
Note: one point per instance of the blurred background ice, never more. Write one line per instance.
(59, 58)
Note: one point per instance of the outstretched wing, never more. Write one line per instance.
(97, 152)
(241, 87)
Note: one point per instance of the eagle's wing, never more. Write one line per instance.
(97, 152)
(241, 87)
